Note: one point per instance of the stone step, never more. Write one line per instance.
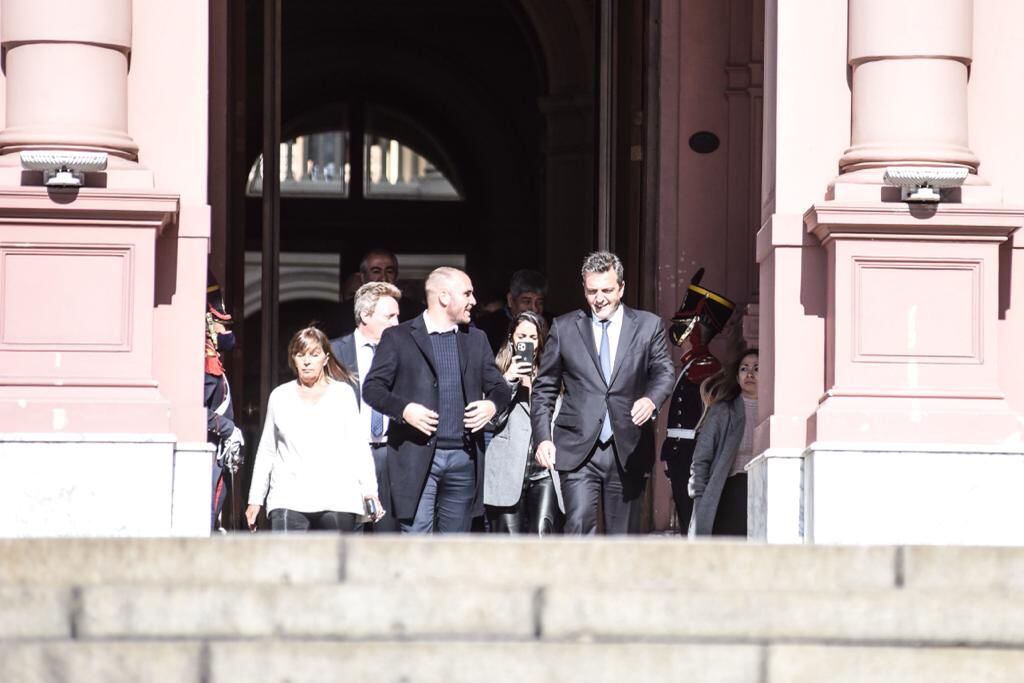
(352, 610)
(653, 561)
(228, 661)
(325, 558)
(324, 607)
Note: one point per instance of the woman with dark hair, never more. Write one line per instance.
(313, 465)
(718, 478)
(518, 493)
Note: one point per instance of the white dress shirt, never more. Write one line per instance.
(434, 329)
(364, 359)
(313, 457)
(614, 327)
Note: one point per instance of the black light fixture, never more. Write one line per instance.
(704, 142)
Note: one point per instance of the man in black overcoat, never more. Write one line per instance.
(435, 378)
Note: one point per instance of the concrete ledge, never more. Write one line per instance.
(911, 617)
(964, 498)
(109, 662)
(648, 562)
(817, 663)
(34, 612)
(313, 662)
(324, 607)
(955, 569)
(339, 611)
(325, 558)
(58, 489)
(234, 559)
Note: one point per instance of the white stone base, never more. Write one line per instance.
(775, 504)
(103, 485)
(913, 494)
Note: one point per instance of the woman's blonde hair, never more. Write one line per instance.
(312, 338)
(722, 386)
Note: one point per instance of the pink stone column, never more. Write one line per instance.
(909, 65)
(913, 440)
(896, 368)
(101, 286)
(66, 64)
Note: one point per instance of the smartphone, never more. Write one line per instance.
(523, 351)
(371, 507)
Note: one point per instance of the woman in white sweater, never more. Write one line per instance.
(313, 466)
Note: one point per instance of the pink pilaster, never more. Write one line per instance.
(66, 65)
(909, 63)
(58, 43)
(911, 438)
(913, 415)
(897, 272)
(911, 348)
(101, 287)
(77, 273)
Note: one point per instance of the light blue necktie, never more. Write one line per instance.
(376, 419)
(606, 369)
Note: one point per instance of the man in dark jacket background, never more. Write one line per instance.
(526, 292)
(376, 309)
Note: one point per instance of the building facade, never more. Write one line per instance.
(748, 137)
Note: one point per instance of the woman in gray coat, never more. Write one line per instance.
(718, 478)
(519, 494)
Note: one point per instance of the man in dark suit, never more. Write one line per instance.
(614, 365)
(378, 265)
(526, 292)
(376, 309)
(437, 381)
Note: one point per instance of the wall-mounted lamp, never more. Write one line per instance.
(63, 168)
(922, 183)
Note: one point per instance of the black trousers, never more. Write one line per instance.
(678, 456)
(536, 512)
(221, 488)
(601, 483)
(388, 523)
(731, 516)
(285, 521)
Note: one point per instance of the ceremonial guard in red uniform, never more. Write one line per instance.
(700, 317)
(220, 417)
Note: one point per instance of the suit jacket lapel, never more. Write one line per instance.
(350, 357)
(626, 334)
(419, 335)
(586, 328)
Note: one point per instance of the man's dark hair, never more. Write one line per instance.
(602, 262)
(364, 265)
(526, 280)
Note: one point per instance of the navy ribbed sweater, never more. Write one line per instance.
(451, 403)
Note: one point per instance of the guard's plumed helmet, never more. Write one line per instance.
(215, 300)
(700, 305)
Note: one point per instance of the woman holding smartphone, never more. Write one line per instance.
(313, 465)
(518, 493)
(725, 439)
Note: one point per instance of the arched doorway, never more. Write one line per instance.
(501, 98)
(496, 97)
(453, 94)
